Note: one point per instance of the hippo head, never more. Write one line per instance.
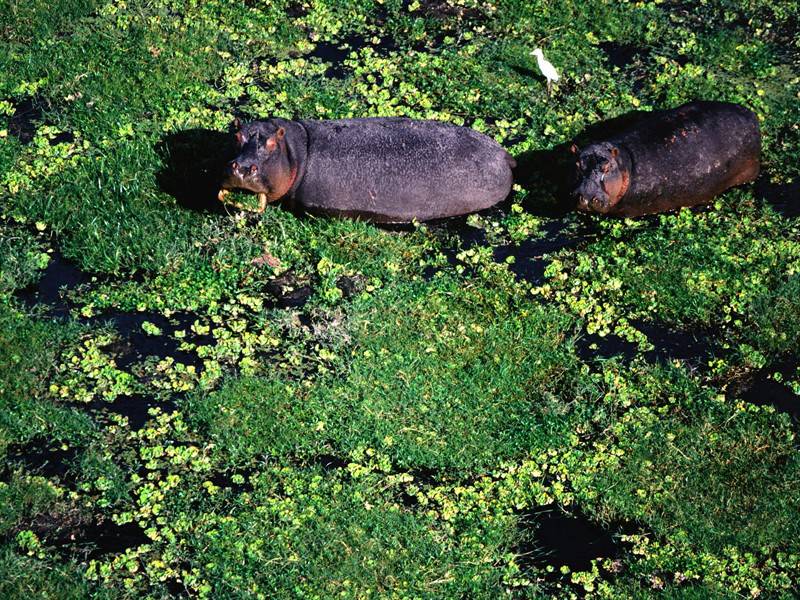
(263, 165)
(601, 178)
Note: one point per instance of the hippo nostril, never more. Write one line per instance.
(234, 167)
(253, 169)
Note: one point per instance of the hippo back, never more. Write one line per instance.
(688, 155)
(397, 169)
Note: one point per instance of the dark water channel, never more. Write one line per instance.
(693, 347)
(765, 390)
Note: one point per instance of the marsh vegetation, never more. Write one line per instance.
(525, 402)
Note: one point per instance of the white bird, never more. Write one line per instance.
(547, 69)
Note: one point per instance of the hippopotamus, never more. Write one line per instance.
(385, 170)
(668, 159)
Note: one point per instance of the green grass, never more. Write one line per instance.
(425, 378)
(392, 436)
(28, 349)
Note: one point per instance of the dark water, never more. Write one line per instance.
(225, 481)
(139, 345)
(65, 137)
(764, 390)
(59, 277)
(693, 347)
(562, 539)
(531, 256)
(22, 123)
(40, 458)
(783, 197)
(289, 290)
(329, 462)
(134, 407)
(335, 53)
(622, 55)
(106, 537)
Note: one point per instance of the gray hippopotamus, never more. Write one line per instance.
(669, 159)
(386, 170)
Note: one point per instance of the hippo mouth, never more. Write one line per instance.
(262, 199)
(231, 183)
(598, 205)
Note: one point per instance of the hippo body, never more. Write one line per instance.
(669, 159)
(387, 170)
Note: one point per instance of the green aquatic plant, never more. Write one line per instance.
(358, 411)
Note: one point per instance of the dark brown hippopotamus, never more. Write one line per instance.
(669, 159)
(387, 170)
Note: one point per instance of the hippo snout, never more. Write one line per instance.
(242, 170)
(592, 203)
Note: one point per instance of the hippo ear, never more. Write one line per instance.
(573, 149)
(272, 141)
(614, 151)
(237, 124)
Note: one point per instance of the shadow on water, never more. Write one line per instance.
(560, 539)
(193, 164)
(550, 173)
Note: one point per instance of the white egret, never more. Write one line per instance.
(547, 69)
